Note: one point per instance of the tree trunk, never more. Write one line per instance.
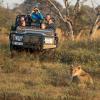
(77, 8)
(95, 27)
(65, 20)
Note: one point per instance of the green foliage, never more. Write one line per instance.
(84, 19)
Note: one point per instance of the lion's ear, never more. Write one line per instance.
(79, 67)
(72, 66)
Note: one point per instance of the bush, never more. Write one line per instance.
(81, 52)
(7, 17)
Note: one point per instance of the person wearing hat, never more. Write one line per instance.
(37, 16)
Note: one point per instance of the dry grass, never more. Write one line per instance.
(35, 78)
(3, 39)
(96, 35)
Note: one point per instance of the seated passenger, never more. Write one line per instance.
(50, 23)
(37, 16)
(43, 26)
(22, 22)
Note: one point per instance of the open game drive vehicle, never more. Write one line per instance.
(31, 37)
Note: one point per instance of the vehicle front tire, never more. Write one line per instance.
(13, 51)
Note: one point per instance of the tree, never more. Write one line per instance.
(96, 24)
(67, 19)
(72, 19)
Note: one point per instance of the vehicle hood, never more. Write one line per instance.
(37, 32)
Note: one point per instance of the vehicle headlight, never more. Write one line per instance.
(49, 40)
(17, 38)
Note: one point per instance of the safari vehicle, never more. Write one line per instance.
(31, 37)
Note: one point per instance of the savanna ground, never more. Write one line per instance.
(46, 76)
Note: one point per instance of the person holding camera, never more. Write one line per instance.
(36, 16)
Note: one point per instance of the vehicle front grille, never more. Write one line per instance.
(31, 39)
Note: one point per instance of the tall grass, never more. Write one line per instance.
(45, 75)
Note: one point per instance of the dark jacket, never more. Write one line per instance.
(51, 26)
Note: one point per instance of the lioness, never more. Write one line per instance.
(83, 77)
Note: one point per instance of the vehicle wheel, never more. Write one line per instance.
(40, 48)
(12, 50)
(11, 47)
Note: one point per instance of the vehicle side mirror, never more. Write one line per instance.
(13, 28)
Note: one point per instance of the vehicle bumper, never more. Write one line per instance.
(49, 46)
(32, 45)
